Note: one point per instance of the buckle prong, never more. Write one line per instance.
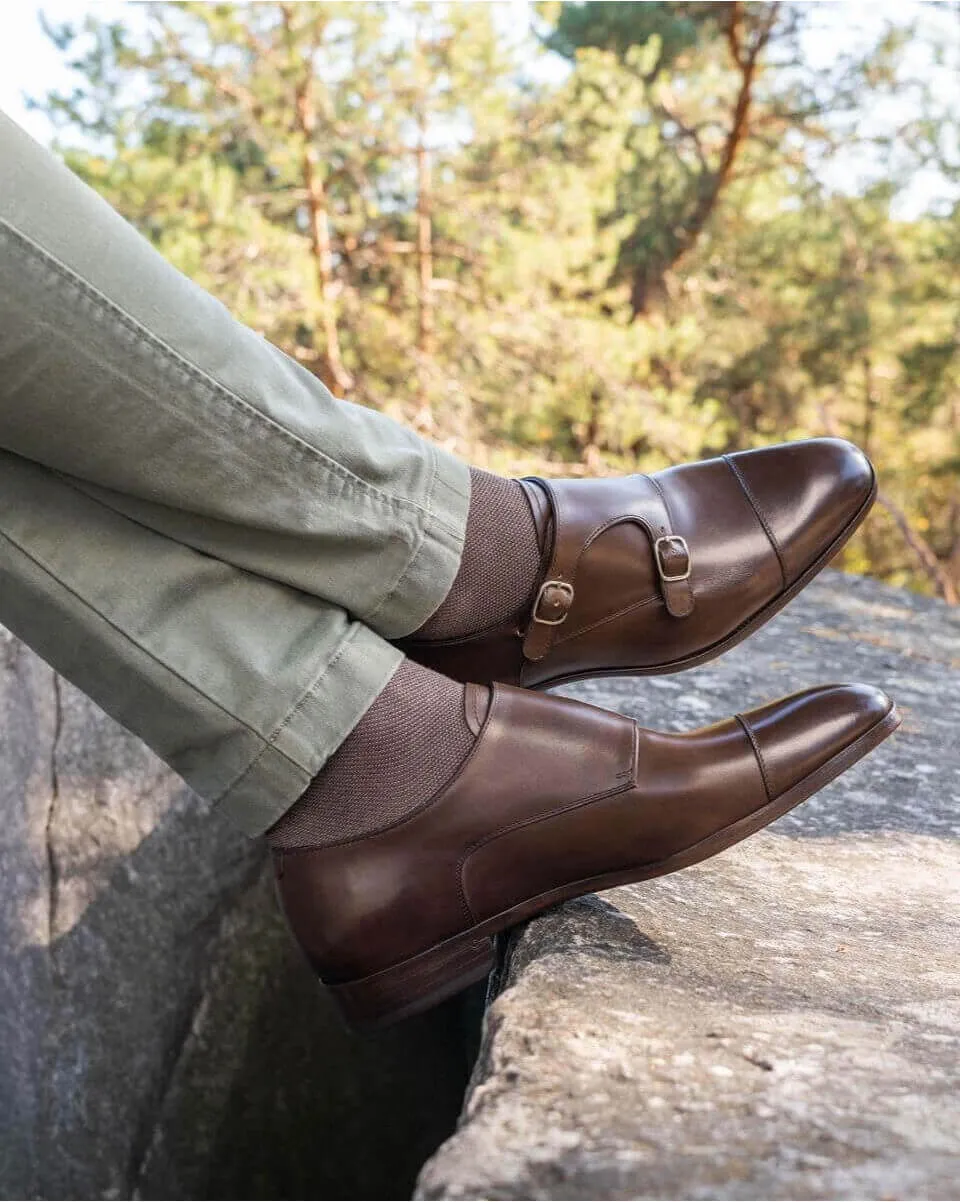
(566, 589)
(671, 538)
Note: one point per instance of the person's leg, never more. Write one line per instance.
(118, 371)
(186, 521)
(244, 686)
(446, 813)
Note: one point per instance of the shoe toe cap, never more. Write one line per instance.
(796, 736)
(808, 493)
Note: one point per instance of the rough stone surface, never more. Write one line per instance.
(159, 1035)
(780, 1022)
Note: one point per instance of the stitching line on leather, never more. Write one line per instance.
(426, 970)
(648, 527)
(621, 613)
(754, 505)
(525, 822)
(755, 744)
(663, 497)
(585, 542)
(311, 848)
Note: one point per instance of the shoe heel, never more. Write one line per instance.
(416, 984)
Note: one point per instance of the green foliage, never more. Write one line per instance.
(639, 256)
(622, 26)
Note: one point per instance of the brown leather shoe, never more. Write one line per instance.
(557, 799)
(652, 574)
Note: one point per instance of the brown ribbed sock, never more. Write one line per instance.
(404, 749)
(500, 567)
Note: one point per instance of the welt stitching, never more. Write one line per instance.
(741, 480)
(197, 375)
(414, 967)
(755, 744)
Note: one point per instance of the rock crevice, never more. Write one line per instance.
(53, 868)
(160, 1036)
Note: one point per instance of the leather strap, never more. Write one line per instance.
(575, 506)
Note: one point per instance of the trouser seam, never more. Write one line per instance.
(307, 696)
(311, 689)
(394, 587)
(198, 376)
(145, 650)
(268, 740)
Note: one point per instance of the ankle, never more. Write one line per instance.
(500, 564)
(408, 744)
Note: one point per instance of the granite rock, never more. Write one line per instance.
(160, 1036)
(782, 1021)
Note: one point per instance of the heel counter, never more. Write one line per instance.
(358, 908)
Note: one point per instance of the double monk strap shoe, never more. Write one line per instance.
(654, 574)
(555, 800)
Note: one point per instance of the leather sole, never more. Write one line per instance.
(760, 618)
(423, 981)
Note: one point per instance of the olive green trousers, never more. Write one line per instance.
(192, 529)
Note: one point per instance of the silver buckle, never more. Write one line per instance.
(672, 538)
(566, 589)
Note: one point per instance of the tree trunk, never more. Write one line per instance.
(925, 555)
(869, 404)
(425, 299)
(337, 378)
(589, 444)
(648, 281)
(425, 247)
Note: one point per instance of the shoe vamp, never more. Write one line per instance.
(734, 572)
